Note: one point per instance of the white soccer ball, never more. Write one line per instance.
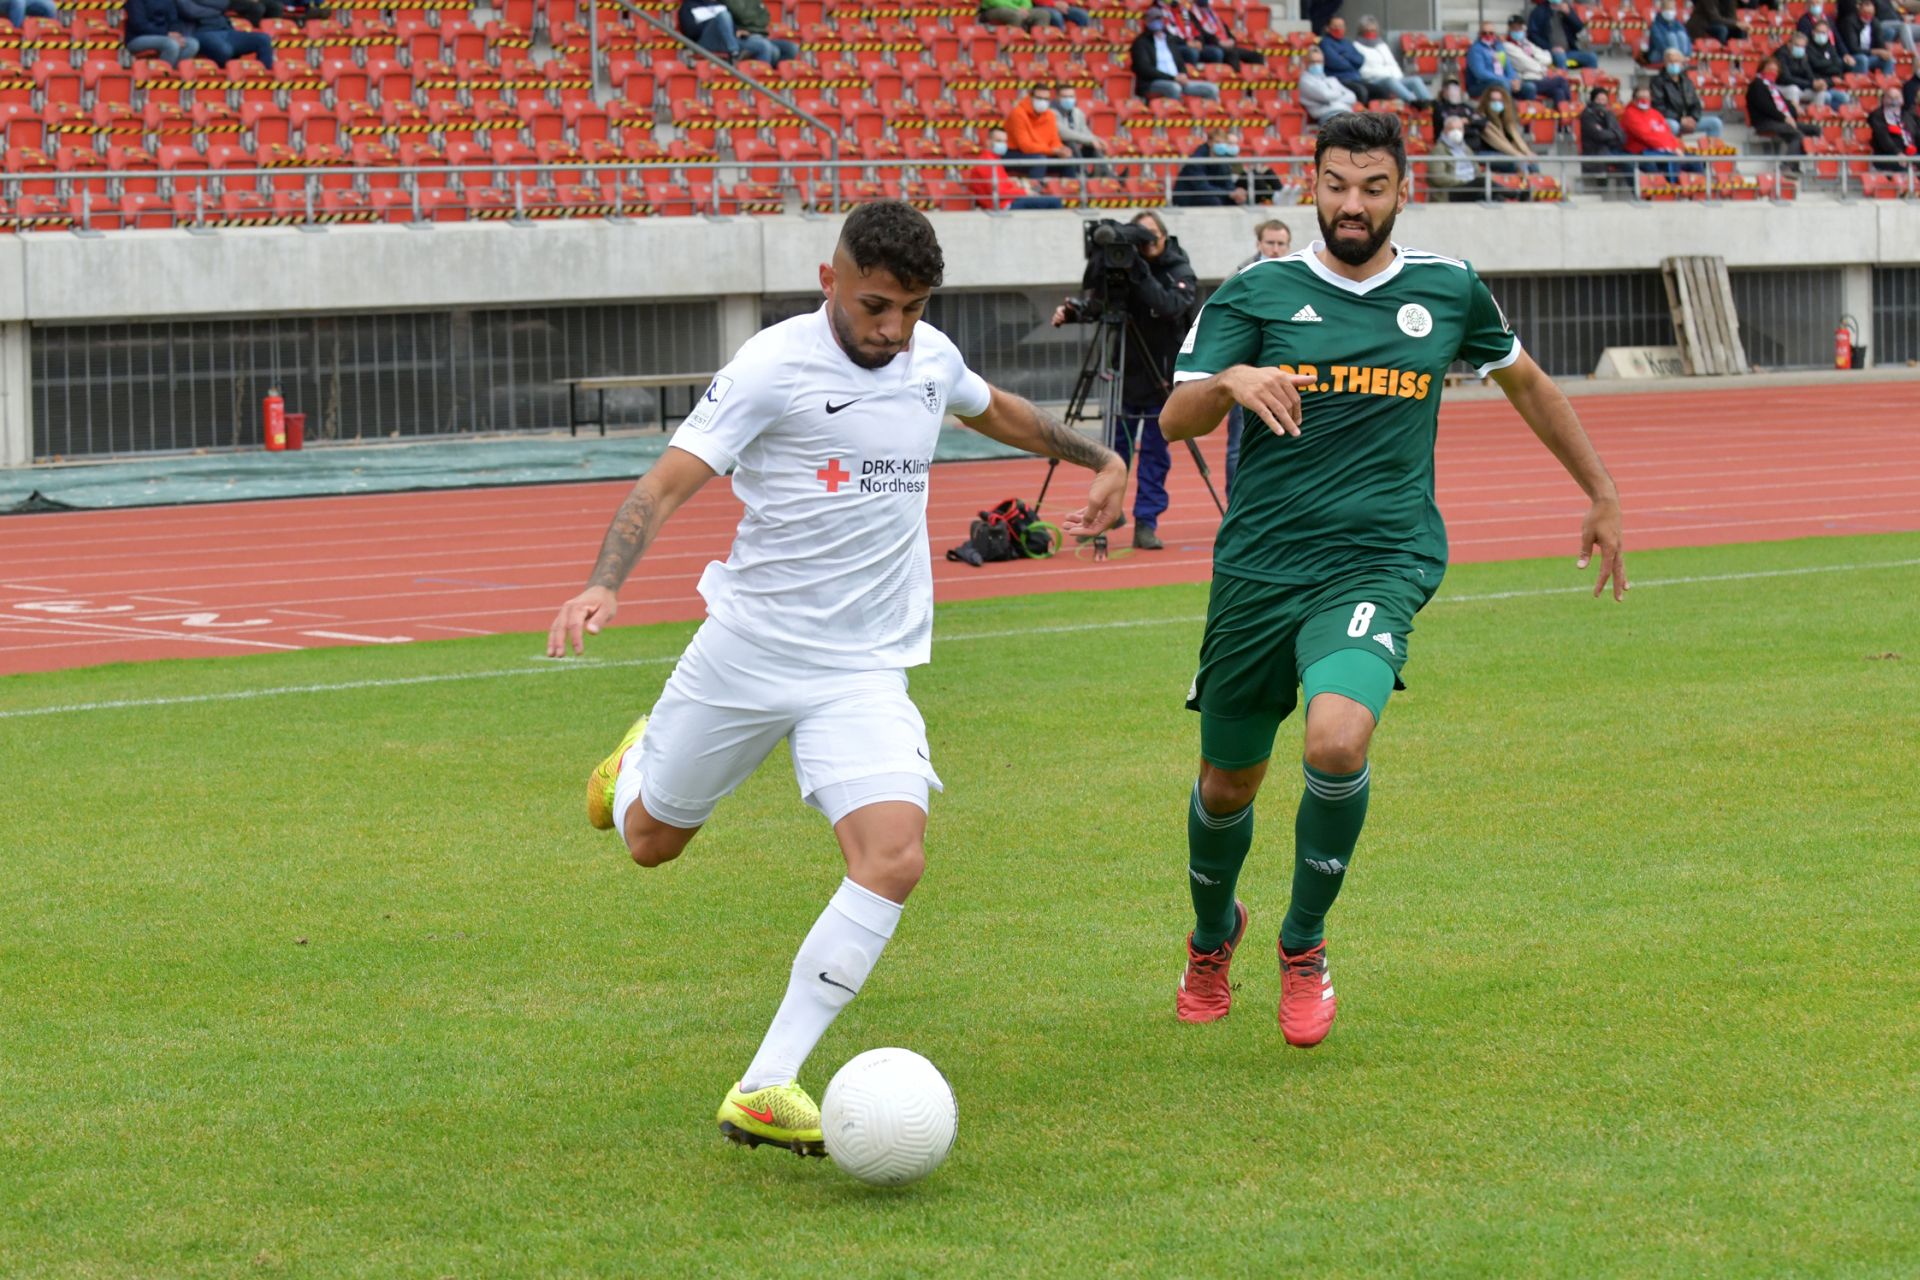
(889, 1117)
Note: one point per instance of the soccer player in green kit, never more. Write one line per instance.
(1332, 541)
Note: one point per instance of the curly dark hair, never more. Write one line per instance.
(1363, 131)
(897, 237)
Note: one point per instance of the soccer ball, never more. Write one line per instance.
(889, 1117)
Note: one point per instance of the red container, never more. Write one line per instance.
(296, 430)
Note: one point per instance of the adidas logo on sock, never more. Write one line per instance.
(1306, 315)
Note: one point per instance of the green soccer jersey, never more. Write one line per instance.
(1354, 490)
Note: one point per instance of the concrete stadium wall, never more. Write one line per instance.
(60, 278)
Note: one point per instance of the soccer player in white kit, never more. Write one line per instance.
(828, 422)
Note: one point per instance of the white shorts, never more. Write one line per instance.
(730, 701)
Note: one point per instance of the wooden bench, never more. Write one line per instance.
(694, 382)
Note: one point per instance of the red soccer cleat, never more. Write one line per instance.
(1307, 1005)
(1204, 994)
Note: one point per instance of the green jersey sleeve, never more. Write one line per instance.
(1223, 334)
(1488, 342)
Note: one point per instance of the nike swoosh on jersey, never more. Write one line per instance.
(835, 408)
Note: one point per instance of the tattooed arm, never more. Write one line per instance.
(1015, 421)
(673, 479)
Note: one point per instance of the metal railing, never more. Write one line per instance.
(86, 201)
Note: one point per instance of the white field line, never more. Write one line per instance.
(546, 667)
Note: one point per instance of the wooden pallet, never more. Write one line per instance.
(1700, 297)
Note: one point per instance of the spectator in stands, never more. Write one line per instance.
(1452, 103)
(18, 11)
(1205, 182)
(1715, 18)
(218, 39)
(1896, 134)
(1271, 239)
(709, 24)
(1534, 66)
(1380, 70)
(1601, 133)
(1487, 64)
(1892, 22)
(153, 26)
(1647, 133)
(751, 23)
(1910, 91)
(1860, 41)
(1665, 32)
(1500, 133)
(1555, 27)
(1802, 84)
(1452, 170)
(1677, 97)
(1216, 39)
(1072, 13)
(1826, 60)
(1343, 58)
(1160, 62)
(1072, 125)
(1816, 13)
(1321, 95)
(1034, 134)
(1771, 115)
(1017, 13)
(994, 188)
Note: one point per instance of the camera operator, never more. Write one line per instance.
(1160, 296)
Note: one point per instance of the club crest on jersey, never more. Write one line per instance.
(930, 394)
(702, 416)
(1415, 320)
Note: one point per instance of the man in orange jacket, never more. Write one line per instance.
(1034, 134)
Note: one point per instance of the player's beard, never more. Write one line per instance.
(1355, 253)
(865, 357)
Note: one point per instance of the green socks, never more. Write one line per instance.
(1217, 845)
(1332, 809)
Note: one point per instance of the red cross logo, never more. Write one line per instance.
(833, 475)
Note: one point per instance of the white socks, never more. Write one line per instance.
(832, 964)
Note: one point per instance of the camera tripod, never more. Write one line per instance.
(1103, 374)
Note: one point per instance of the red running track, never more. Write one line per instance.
(1694, 468)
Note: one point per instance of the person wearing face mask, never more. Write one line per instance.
(1677, 97)
(1321, 96)
(1826, 63)
(1073, 126)
(1796, 75)
(1451, 104)
(1770, 114)
(1816, 13)
(1343, 58)
(1896, 135)
(1555, 27)
(1381, 70)
(1601, 134)
(1216, 42)
(1204, 181)
(993, 187)
(1715, 18)
(1500, 133)
(1647, 132)
(1861, 40)
(1487, 64)
(1034, 134)
(1452, 172)
(1016, 13)
(1533, 65)
(1665, 32)
(1162, 63)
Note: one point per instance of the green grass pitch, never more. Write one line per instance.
(339, 983)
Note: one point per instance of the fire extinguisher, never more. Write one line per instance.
(1844, 340)
(273, 413)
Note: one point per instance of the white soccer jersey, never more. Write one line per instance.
(831, 462)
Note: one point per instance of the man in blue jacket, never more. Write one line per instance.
(217, 37)
(1487, 65)
(1343, 58)
(152, 27)
(1203, 181)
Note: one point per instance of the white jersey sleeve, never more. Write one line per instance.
(968, 395)
(744, 399)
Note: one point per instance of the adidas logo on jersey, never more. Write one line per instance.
(1386, 638)
(1306, 315)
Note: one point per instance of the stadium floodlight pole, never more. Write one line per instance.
(673, 33)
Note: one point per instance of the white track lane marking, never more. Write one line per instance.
(149, 633)
(348, 635)
(549, 667)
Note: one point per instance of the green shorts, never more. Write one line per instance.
(1261, 637)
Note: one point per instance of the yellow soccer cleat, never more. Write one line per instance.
(780, 1115)
(600, 781)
